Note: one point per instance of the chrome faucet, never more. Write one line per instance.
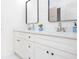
(60, 28)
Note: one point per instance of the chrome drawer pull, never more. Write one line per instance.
(29, 46)
(29, 37)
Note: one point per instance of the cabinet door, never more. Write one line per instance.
(58, 54)
(41, 52)
(44, 52)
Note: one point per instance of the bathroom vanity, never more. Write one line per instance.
(42, 45)
(59, 44)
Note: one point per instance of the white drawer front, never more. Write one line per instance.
(57, 39)
(19, 34)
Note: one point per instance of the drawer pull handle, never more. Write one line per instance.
(29, 46)
(47, 52)
(29, 58)
(29, 36)
(18, 40)
(52, 53)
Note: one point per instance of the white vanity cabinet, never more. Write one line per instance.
(40, 46)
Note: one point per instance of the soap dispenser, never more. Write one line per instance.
(75, 27)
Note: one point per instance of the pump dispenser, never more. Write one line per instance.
(75, 27)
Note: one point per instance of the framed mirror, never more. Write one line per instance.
(62, 10)
(32, 11)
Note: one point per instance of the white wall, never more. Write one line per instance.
(68, 9)
(13, 17)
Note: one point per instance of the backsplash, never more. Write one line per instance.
(52, 27)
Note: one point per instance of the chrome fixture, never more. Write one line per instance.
(60, 28)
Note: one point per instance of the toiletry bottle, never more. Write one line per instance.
(75, 27)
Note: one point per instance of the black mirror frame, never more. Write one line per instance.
(37, 12)
(60, 17)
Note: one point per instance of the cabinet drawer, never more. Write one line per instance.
(43, 52)
(56, 39)
(21, 34)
